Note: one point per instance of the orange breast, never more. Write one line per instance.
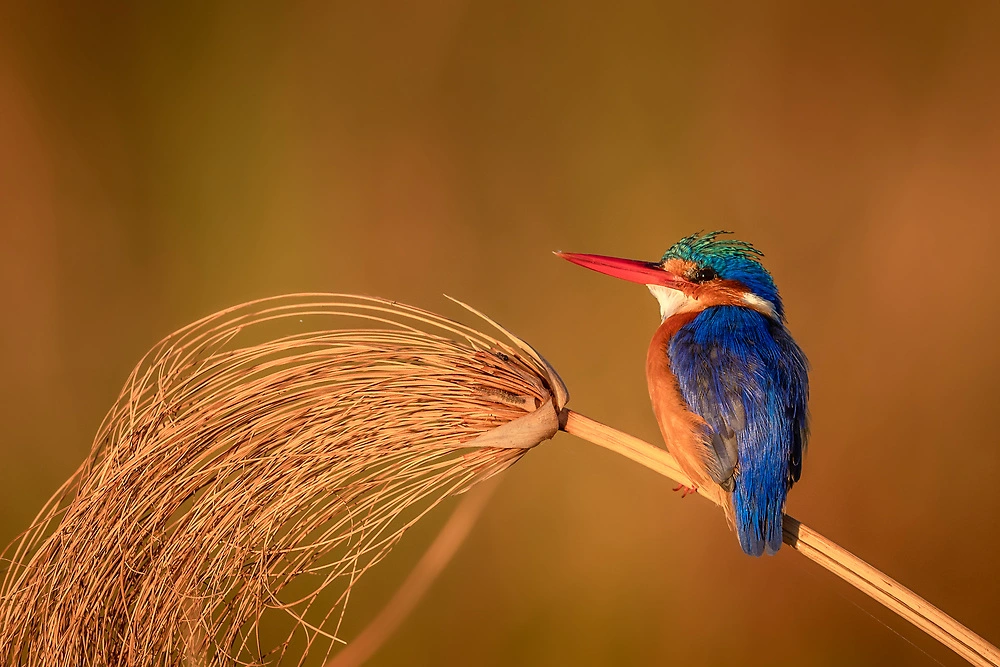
(683, 431)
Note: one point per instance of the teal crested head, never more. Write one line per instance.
(707, 257)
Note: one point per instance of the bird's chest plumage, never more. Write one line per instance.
(684, 432)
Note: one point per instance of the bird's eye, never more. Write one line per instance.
(703, 275)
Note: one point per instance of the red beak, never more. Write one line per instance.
(633, 270)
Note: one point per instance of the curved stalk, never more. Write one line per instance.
(810, 544)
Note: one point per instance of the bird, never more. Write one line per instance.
(728, 384)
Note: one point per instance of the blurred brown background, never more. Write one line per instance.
(162, 163)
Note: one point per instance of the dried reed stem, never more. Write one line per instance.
(810, 544)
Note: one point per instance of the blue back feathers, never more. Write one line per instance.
(744, 375)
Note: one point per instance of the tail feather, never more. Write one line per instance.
(758, 518)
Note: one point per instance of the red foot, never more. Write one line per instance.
(686, 490)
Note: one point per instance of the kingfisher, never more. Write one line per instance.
(728, 384)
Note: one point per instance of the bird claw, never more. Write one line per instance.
(686, 490)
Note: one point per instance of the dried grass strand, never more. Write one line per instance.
(428, 568)
(259, 462)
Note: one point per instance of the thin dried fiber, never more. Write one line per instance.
(257, 463)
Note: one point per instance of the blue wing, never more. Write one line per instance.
(745, 376)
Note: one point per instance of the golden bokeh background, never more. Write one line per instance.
(163, 162)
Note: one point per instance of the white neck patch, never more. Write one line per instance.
(762, 306)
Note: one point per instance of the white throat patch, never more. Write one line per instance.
(671, 301)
